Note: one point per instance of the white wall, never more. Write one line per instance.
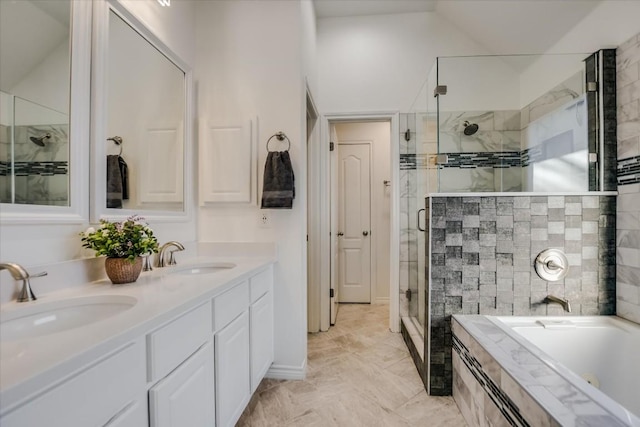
(309, 45)
(250, 63)
(33, 245)
(48, 83)
(379, 62)
(379, 134)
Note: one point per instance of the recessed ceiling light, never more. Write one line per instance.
(164, 2)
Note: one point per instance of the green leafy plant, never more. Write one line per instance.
(127, 239)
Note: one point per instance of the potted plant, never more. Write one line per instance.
(122, 243)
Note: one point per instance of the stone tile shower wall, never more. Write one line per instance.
(628, 213)
(482, 256)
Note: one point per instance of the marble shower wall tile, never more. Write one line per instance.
(628, 212)
(570, 89)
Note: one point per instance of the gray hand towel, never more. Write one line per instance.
(114, 182)
(278, 188)
(124, 173)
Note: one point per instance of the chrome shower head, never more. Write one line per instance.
(470, 128)
(40, 140)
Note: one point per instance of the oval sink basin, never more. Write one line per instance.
(39, 319)
(209, 268)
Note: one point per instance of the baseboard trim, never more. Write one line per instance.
(382, 300)
(287, 372)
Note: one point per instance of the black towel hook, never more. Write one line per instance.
(280, 136)
(118, 141)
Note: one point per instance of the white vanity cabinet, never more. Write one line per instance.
(109, 392)
(195, 366)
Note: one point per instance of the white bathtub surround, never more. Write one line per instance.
(628, 213)
(522, 385)
(28, 367)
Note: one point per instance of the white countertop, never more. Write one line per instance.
(28, 365)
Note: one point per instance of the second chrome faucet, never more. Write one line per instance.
(166, 248)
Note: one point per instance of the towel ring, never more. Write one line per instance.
(118, 141)
(280, 136)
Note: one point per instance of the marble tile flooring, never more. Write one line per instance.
(358, 374)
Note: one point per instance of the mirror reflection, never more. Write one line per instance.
(145, 119)
(34, 102)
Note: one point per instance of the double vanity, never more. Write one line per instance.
(183, 346)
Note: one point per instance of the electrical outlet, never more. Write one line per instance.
(264, 221)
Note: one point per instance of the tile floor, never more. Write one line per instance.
(358, 374)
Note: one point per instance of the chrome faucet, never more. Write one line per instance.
(563, 302)
(164, 248)
(19, 273)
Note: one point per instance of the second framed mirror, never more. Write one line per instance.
(141, 135)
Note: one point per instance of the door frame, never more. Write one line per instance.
(317, 259)
(325, 201)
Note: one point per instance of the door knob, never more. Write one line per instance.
(365, 233)
(340, 233)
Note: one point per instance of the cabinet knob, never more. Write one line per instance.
(340, 233)
(365, 233)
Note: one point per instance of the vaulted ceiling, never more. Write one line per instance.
(501, 26)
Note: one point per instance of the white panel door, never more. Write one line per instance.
(354, 223)
(162, 184)
(186, 396)
(226, 162)
(233, 380)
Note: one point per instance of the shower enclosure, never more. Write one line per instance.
(490, 126)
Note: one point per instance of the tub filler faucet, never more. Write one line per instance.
(19, 273)
(563, 302)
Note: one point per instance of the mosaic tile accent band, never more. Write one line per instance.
(483, 159)
(629, 170)
(35, 168)
(502, 401)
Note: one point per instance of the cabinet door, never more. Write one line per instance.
(134, 415)
(94, 396)
(233, 387)
(261, 338)
(227, 164)
(186, 396)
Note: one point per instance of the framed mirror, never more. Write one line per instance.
(141, 127)
(44, 111)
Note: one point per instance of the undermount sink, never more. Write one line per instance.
(43, 318)
(208, 268)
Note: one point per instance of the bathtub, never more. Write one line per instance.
(547, 371)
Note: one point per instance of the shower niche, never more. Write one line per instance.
(513, 135)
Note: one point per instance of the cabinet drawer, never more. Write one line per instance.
(229, 305)
(91, 398)
(176, 341)
(260, 284)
